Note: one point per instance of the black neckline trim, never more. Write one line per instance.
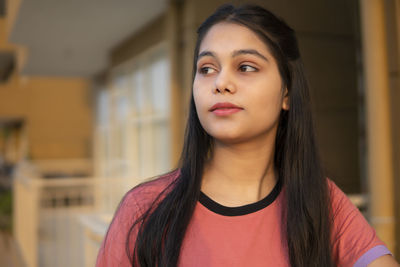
(241, 210)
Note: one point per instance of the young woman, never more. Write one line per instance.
(250, 190)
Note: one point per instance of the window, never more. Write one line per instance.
(133, 139)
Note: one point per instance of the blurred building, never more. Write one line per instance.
(94, 96)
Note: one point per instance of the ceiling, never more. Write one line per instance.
(74, 37)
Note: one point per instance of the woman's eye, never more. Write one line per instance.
(247, 68)
(206, 70)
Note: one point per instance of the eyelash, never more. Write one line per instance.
(204, 70)
(241, 67)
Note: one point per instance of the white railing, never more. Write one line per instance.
(26, 219)
(44, 215)
(44, 221)
(57, 222)
(94, 229)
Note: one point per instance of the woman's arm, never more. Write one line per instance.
(384, 261)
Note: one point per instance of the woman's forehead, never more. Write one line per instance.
(226, 37)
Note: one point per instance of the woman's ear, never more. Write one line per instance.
(285, 101)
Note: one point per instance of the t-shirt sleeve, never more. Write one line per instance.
(113, 250)
(355, 242)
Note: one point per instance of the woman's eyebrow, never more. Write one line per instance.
(247, 52)
(234, 54)
(206, 53)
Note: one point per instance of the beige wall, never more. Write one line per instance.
(57, 114)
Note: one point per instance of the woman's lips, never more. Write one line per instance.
(224, 109)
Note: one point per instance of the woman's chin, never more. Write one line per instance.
(229, 138)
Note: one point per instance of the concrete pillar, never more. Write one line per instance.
(379, 141)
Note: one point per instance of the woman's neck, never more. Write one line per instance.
(239, 174)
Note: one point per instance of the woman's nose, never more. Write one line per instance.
(224, 83)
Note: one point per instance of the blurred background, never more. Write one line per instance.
(94, 97)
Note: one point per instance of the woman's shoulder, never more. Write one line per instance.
(133, 205)
(148, 192)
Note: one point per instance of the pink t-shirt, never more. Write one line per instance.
(249, 235)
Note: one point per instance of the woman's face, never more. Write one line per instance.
(237, 87)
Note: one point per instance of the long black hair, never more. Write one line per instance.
(306, 212)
